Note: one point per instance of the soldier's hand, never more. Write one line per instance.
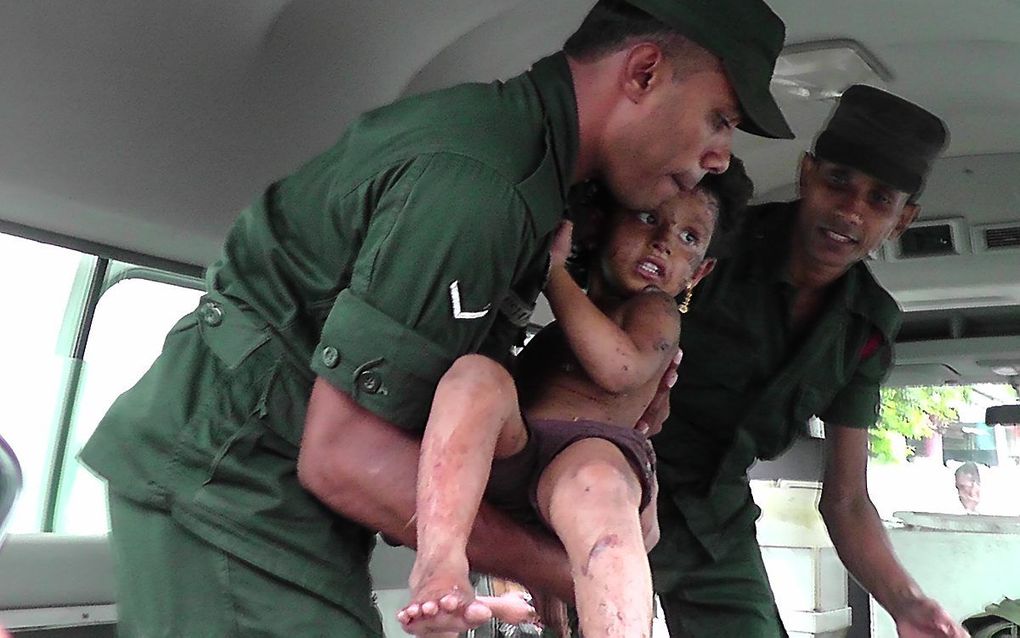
(655, 414)
(925, 618)
(650, 519)
(552, 613)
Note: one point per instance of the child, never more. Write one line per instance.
(574, 458)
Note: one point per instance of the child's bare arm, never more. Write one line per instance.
(620, 357)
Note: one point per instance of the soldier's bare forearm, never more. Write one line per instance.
(365, 468)
(854, 525)
(863, 545)
(535, 559)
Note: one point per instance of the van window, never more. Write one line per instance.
(40, 283)
(131, 321)
(940, 456)
(77, 330)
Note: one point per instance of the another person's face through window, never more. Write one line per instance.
(968, 487)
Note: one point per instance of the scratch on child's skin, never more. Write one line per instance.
(600, 545)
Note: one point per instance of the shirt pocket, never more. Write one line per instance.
(230, 333)
(231, 383)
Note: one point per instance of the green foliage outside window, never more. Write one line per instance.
(913, 413)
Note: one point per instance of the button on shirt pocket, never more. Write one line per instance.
(231, 334)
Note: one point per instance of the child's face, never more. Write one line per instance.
(663, 248)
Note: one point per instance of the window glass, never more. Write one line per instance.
(933, 452)
(130, 324)
(39, 289)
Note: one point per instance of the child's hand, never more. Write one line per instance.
(561, 245)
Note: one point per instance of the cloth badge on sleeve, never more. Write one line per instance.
(458, 311)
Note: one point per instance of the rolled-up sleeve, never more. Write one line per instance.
(442, 247)
(856, 405)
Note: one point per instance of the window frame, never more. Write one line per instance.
(101, 267)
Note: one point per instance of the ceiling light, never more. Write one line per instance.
(1003, 368)
(823, 69)
(1006, 371)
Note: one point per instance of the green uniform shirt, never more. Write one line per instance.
(421, 236)
(749, 384)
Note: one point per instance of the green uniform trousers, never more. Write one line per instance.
(702, 597)
(179, 586)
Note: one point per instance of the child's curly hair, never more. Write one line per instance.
(591, 203)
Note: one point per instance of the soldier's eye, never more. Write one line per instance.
(837, 178)
(882, 198)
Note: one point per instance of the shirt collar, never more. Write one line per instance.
(767, 241)
(555, 86)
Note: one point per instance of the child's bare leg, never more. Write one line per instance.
(590, 495)
(474, 417)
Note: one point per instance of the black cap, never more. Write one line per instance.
(747, 36)
(884, 136)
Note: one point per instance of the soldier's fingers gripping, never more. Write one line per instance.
(658, 410)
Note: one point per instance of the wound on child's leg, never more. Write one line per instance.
(611, 540)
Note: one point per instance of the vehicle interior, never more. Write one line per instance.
(134, 131)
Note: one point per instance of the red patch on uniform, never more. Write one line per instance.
(872, 345)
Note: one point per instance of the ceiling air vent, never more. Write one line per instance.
(931, 238)
(996, 236)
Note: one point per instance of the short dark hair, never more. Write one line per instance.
(612, 24)
(731, 190)
(969, 468)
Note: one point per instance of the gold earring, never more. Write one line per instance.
(685, 305)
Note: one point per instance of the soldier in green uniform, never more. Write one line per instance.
(250, 467)
(793, 325)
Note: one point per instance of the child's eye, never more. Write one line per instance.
(646, 218)
(688, 238)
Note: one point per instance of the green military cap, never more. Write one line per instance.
(884, 136)
(747, 36)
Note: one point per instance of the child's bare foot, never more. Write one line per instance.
(442, 600)
(512, 607)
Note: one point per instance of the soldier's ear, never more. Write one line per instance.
(644, 68)
(808, 165)
(907, 217)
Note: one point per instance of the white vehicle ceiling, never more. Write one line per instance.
(147, 126)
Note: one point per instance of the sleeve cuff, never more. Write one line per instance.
(382, 364)
(856, 406)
